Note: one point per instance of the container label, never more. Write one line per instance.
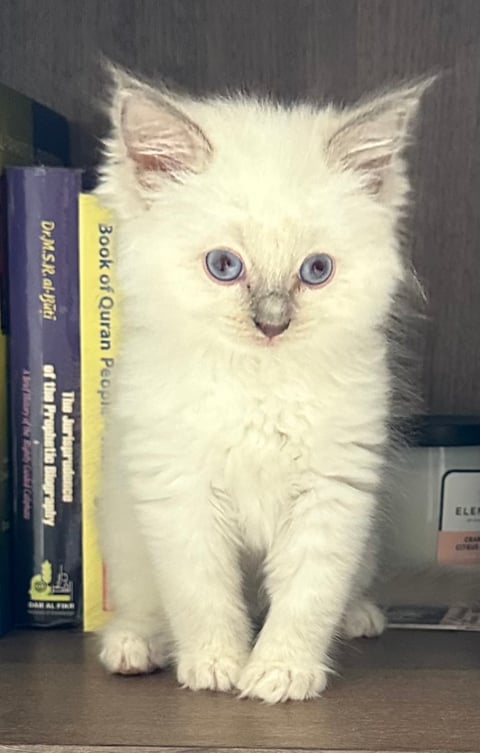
(459, 526)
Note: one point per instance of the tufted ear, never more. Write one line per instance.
(371, 138)
(153, 137)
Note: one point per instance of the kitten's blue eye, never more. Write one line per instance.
(316, 269)
(223, 265)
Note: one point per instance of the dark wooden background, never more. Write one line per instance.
(336, 49)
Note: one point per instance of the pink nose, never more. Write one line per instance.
(272, 330)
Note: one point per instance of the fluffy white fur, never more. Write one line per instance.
(241, 471)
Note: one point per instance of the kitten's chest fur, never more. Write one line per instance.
(252, 438)
(263, 466)
(268, 429)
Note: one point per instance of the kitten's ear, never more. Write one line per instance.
(159, 139)
(153, 138)
(371, 139)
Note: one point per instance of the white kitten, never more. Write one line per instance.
(258, 264)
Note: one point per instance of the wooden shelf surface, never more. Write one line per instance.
(407, 691)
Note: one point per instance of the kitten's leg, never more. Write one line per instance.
(309, 577)
(137, 638)
(362, 617)
(196, 564)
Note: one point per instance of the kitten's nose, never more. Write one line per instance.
(271, 311)
(272, 330)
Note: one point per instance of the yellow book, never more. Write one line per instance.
(98, 327)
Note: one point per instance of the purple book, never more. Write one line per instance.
(44, 372)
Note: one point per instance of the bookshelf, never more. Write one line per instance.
(410, 691)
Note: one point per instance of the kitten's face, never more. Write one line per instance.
(258, 227)
(289, 273)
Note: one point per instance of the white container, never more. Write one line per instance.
(435, 518)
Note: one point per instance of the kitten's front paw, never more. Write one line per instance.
(126, 653)
(363, 619)
(278, 681)
(210, 671)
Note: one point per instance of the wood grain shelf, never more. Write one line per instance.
(408, 691)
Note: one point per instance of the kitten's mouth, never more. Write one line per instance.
(271, 330)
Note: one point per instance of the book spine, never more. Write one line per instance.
(29, 134)
(44, 370)
(99, 333)
(5, 510)
(5, 496)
